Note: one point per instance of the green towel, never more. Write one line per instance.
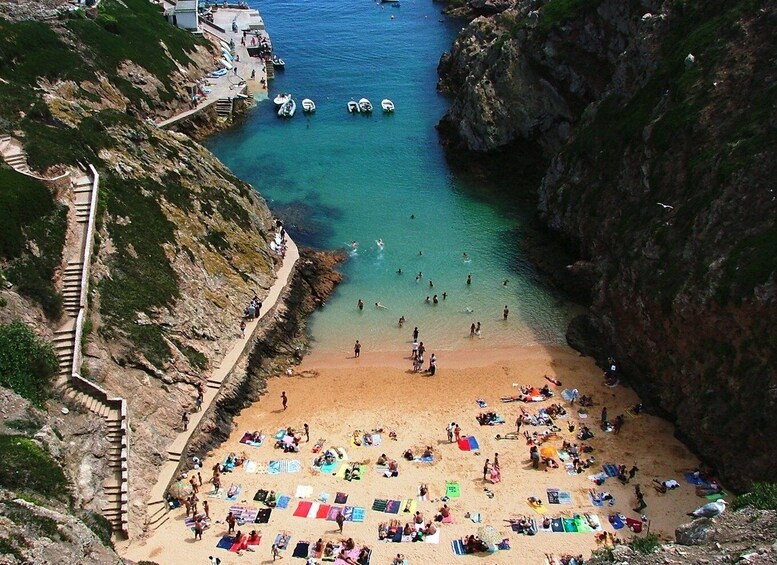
(716, 496)
(452, 490)
(582, 525)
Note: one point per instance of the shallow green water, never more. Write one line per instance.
(338, 178)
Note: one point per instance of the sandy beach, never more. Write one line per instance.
(336, 394)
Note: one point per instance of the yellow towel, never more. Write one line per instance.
(412, 503)
(539, 509)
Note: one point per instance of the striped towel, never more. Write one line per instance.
(358, 514)
(274, 468)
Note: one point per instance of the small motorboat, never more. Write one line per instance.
(387, 105)
(365, 106)
(308, 106)
(389, 2)
(353, 107)
(288, 109)
(278, 63)
(281, 99)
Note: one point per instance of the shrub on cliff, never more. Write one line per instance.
(25, 466)
(27, 364)
(762, 496)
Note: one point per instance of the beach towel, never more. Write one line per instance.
(698, 481)
(290, 466)
(303, 507)
(283, 501)
(447, 520)
(541, 528)
(247, 439)
(235, 494)
(228, 466)
(393, 506)
(348, 513)
(249, 466)
(301, 549)
(261, 495)
(319, 444)
(379, 505)
(557, 525)
(249, 514)
(569, 525)
(464, 444)
(581, 525)
(634, 525)
(452, 489)
(481, 403)
(313, 510)
(333, 512)
(553, 496)
(303, 491)
(358, 514)
(598, 478)
(280, 434)
(473, 443)
(476, 517)
(324, 497)
(274, 468)
(366, 560)
(611, 470)
(263, 516)
(458, 547)
(594, 522)
(434, 538)
(341, 498)
(327, 468)
(282, 540)
(409, 505)
(716, 496)
(226, 542)
(397, 537)
(323, 511)
(564, 497)
(424, 459)
(595, 499)
(616, 521)
(377, 439)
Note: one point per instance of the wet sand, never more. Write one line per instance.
(336, 394)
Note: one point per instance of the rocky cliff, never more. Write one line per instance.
(657, 122)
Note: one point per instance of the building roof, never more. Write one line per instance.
(186, 6)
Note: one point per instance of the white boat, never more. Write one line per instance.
(227, 65)
(278, 63)
(365, 106)
(387, 105)
(353, 107)
(281, 99)
(288, 109)
(308, 106)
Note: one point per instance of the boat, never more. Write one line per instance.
(365, 106)
(281, 99)
(288, 109)
(353, 107)
(278, 63)
(387, 105)
(389, 1)
(308, 106)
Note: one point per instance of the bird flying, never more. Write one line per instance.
(665, 206)
(709, 510)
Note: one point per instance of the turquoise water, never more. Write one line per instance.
(337, 178)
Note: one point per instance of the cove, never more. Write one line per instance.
(336, 178)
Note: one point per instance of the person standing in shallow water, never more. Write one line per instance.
(360, 304)
(357, 349)
(469, 278)
(505, 312)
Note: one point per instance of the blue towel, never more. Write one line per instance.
(473, 443)
(283, 502)
(616, 522)
(611, 470)
(458, 547)
(329, 467)
(358, 514)
(594, 501)
(695, 480)
(226, 542)
(398, 536)
(274, 468)
(557, 525)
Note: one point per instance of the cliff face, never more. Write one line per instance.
(658, 122)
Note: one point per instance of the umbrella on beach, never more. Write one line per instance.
(489, 536)
(548, 452)
(181, 490)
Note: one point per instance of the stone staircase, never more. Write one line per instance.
(224, 107)
(67, 342)
(12, 152)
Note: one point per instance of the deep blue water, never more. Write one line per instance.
(339, 177)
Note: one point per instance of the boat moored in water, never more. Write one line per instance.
(278, 63)
(281, 99)
(387, 105)
(288, 109)
(353, 107)
(308, 106)
(365, 106)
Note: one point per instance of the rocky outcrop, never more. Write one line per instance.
(657, 122)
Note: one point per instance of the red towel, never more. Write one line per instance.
(323, 511)
(303, 508)
(464, 444)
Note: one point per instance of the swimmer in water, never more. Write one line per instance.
(431, 284)
(381, 306)
(444, 295)
(420, 252)
(399, 271)
(380, 243)
(466, 258)
(468, 310)
(505, 282)
(469, 279)
(401, 321)
(354, 244)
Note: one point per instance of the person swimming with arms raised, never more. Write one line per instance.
(381, 306)
(380, 243)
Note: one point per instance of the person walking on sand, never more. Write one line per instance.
(432, 364)
(518, 422)
(275, 552)
(505, 312)
(472, 330)
(477, 329)
(206, 509)
(284, 399)
(449, 430)
(604, 416)
(357, 349)
(231, 521)
(486, 469)
(307, 432)
(415, 333)
(457, 432)
(414, 352)
(198, 529)
(496, 460)
(340, 519)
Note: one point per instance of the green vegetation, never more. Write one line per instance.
(196, 359)
(556, 12)
(648, 544)
(762, 496)
(26, 467)
(141, 276)
(31, 218)
(99, 525)
(27, 427)
(27, 364)
(42, 525)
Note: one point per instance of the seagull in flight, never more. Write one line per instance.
(709, 510)
(665, 206)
